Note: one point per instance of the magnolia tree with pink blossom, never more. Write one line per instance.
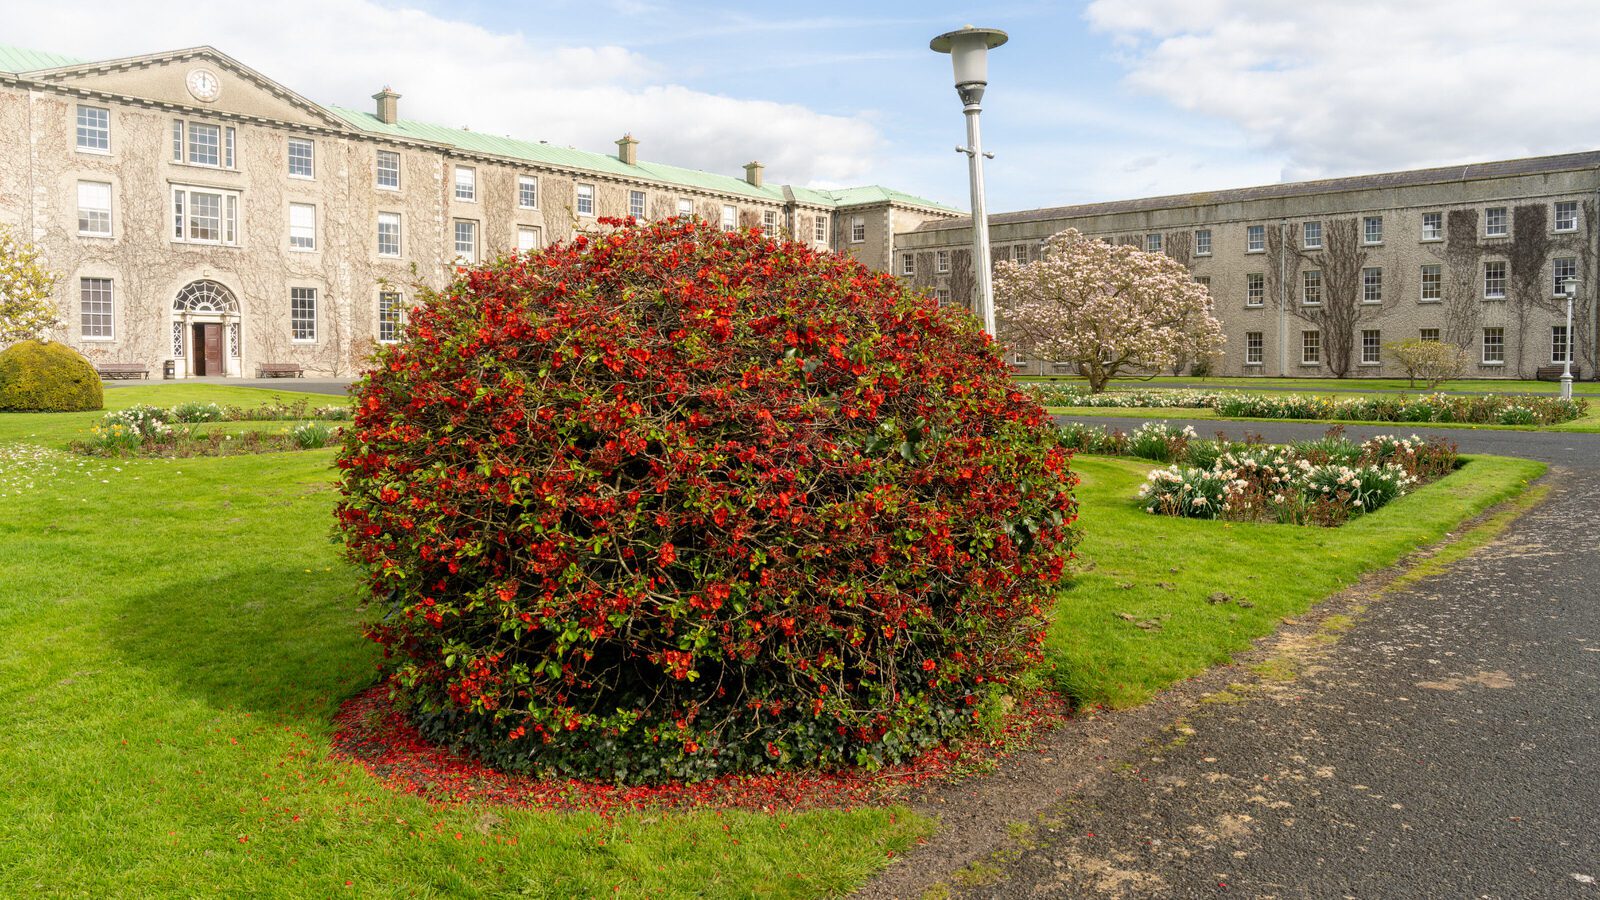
(1105, 309)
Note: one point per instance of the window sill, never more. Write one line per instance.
(1255, 306)
(1309, 247)
(1370, 365)
(1372, 243)
(1492, 365)
(387, 187)
(1255, 365)
(206, 166)
(390, 256)
(1198, 253)
(1500, 299)
(1251, 252)
(302, 249)
(303, 341)
(1372, 303)
(1310, 365)
(93, 151)
(1429, 301)
(216, 244)
(98, 340)
(466, 199)
(536, 209)
(1426, 240)
(107, 237)
(302, 177)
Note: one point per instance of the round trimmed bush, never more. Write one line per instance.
(47, 377)
(669, 502)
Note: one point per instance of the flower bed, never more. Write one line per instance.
(1487, 409)
(152, 431)
(1318, 482)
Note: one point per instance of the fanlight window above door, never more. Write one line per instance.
(205, 297)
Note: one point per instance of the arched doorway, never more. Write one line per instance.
(205, 330)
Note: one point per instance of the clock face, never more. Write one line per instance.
(204, 85)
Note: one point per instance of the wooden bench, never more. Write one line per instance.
(1553, 373)
(122, 370)
(280, 370)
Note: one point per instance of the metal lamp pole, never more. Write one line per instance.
(969, 54)
(1571, 290)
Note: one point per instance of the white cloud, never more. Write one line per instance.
(455, 73)
(1369, 85)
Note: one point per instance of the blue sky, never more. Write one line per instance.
(1092, 100)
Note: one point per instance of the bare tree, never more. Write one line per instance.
(1525, 257)
(1462, 258)
(1341, 261)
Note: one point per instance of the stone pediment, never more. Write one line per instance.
(201, 78)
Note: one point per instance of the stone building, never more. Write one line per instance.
(1313, 278)
(208, 220)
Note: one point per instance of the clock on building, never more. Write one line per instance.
(204, 84)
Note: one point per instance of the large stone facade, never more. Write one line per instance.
(1473, 255)
(207, 220)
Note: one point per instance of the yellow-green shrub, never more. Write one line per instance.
(47, 377)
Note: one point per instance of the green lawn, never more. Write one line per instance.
(1589, 423)
(1314, 385)
(175, 636)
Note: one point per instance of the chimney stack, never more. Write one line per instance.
(388, 105)
(628, 150)
(752, 173)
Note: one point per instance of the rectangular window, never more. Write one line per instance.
(94, 209)
(1255, 239)
(389, 170)
(1371, 347)
(388, 234)
(528, 238)
(1494, 280)
(941, 261)
(1204, 281)
(1494, 346)
(1255, 289)
(585, 199)
(227, 148)
(1311, 233)
(467, 240)
(1566, 215)
(1152, 243)
(1372, 230)
(636, 205)
(390, 316)
(769, 222)
(908, 264)
(303, 314)
(302, 226)
(686, 208)
(1311, 287)
(204, 216)
(177, 140)
(1254, 348)
(466, 183)
(730, 218)
(302, 158)
(1372, 285)
(858, 229)
(1559, 347)
(821, 226)
(942, 295)
(205, 145)
(1432, 281)
(1433, 226)
(94, 296)
(1565, 270)
(94, 129)
(1429, 334)
(1311, 348)
(1202, 242)
(1496, 222)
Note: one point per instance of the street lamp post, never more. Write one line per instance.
(969, 54)
(1571, 290)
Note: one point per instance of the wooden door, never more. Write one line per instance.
(208, 349)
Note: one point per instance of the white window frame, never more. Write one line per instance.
(1433, 274)
(1310, 348)
(308, 159)
(181, 210)
(89, 217)
(942, 295)
(1557, 279)
(1255, 290)
(584, 199)
(858, 229)
(1565, 342)
(465, 190)
(1152, 242)
(730, 218)
(395, 219)
(769, 222)
(1436, 220)
(1556, 216)
(636, 205)
(537, 242)
(1504, 270)
(1371, 231)
(1428, 334)
(819, 229)
(1372, 285)
(1503, 228)
(685, 208)
(527, 192)
(1255, 239)
(303, 234)
(109, 313)
(1255, 348)
(941, 261)
(1202, 242)
(297, 297)
(191, 130)
(908, 264)
(1483, 341)
(1306, 229)
(1376, 346)
(394, 303)
(471, 253)
(95, 132)
(1311, 285)
(379, 170)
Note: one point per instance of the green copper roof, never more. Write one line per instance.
(873, 193)
(18, 59)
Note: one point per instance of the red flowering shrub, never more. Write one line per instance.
(668, 502)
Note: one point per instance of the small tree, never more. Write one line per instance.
(1106, 309)
(26, 308)
(1435, 362)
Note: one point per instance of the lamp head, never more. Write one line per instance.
(1570, 288)
(969, 55)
